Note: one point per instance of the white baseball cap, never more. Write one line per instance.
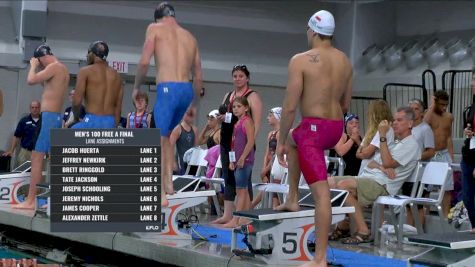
(322, 22)
(213, 113)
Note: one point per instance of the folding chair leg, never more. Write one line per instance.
(376, 222)
(402, 220)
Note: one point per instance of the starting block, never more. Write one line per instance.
(186, 197)
(280, 237)
(449, 249)
(11, 182)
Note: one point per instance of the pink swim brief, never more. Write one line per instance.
(313, 136)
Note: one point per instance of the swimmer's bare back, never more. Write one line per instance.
(326, 82)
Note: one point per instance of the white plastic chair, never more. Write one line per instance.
(435, 174)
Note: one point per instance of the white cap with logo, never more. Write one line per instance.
(322, 22)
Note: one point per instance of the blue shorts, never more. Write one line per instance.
(173, 99)
(243, 176)
(92, 121)
(49, 120)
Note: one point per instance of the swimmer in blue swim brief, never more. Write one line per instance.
(92, 121)
(173, 99)
(102, 89)
(55, 79)
(174, 91)
(49, 120)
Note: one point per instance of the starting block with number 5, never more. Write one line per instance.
(280, 238)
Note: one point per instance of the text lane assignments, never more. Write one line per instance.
(105, 180)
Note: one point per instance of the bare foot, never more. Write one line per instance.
(164, 201)
(314, 264)
(169, 189)
(221, 220)
(231, 224)
(24, 206)
(288, 206)
(243, 221)
(473, 231)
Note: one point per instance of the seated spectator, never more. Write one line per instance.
(184, 137)
(378, 111)
(348, 144)
(68, 117)
(25, 134)
(211, 134)
(140, 118)
(273, 118)
(425, 138)
(384, 174)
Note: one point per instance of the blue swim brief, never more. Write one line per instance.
(49, 120)
(173, 99)
(92, 121)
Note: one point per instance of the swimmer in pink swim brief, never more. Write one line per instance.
(319, 85)
(312, 137)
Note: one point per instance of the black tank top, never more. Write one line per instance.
(210, 141)
(273, 142)
(228, 128)
(351, 161)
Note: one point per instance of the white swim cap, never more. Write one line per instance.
(322, 22)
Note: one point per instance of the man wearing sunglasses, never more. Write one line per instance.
(176, 57)
(320, 83)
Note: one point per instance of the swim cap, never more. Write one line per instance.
(350, 116)
(100, 49)
(164, 10)
(322, 22)
(277, 111)
(42, 50)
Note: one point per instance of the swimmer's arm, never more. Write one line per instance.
(118, 104)
(142, 66)
(428, 153)
(249, 126)
(256, 109)
(197, 78)
(40, 76)
(344, 145)
(292, 97)
(79, 92)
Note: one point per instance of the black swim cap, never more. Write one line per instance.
(164, 10)
(42, 50)
(100, 49)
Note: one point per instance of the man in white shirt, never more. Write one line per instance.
(384, 175)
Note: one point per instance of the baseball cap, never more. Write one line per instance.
(213, 113)
(277, 111)
(322, 22)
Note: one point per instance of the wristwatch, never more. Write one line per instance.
(382, 139)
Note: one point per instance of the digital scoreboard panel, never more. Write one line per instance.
(105, 180)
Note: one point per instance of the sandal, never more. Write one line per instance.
(357, 238)
(338, 234)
